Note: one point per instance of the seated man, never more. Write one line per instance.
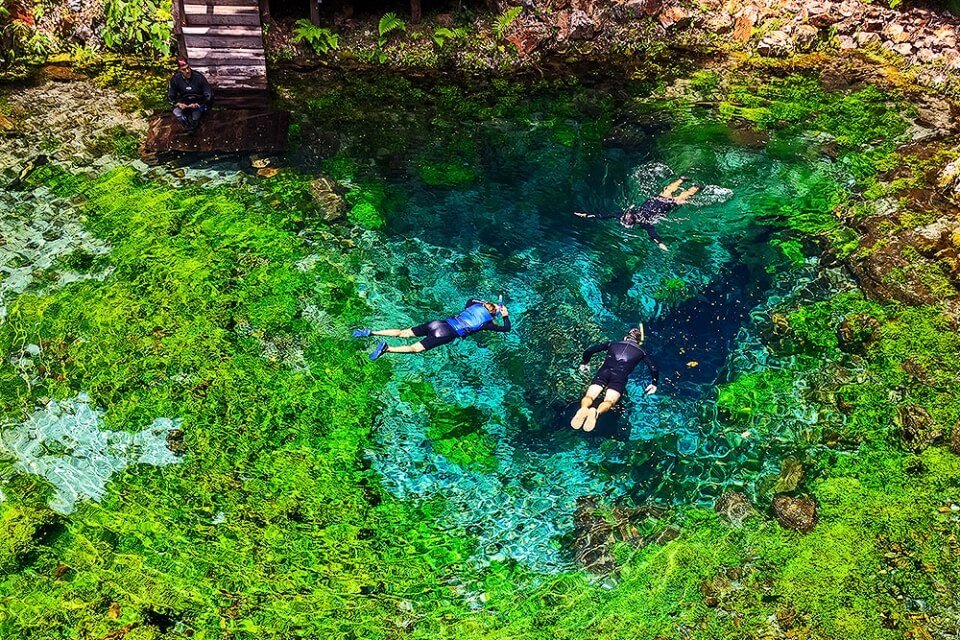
(622, 358)
(476, 316)
(190, 95)
(652, 211)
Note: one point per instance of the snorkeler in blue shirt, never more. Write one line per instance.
(477, 315)
(651, 211)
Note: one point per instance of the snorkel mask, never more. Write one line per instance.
(636, 335)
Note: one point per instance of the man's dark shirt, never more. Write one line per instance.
(195, 90)
(622, 358)
(645, 216)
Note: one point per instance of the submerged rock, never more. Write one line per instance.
(857, 332)
(798, 514)
(917, 429)
(596, 531)
(593, 538)
(330, 203)
(791, 473)
(734, 507)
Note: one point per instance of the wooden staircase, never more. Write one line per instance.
(223, 40)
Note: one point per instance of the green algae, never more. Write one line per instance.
(274, 480)
(275, 528)
(448, 174)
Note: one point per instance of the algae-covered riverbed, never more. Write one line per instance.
(193, 446)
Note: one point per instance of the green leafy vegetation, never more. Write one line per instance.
(503, 22)
(389, 26)
(20, 40)
(138, 26)
(443, 36)
(320, 39)
(274, 493)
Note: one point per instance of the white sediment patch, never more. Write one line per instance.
(65, 443)
(36, 231)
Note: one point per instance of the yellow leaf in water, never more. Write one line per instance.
(693, 363)
(267, 172)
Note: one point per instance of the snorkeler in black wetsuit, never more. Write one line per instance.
(651, 211)
(477, 315)
(622, 358)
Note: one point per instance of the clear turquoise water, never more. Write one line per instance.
(570, 283)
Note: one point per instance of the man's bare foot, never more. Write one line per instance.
(579, 418)
(591, 420)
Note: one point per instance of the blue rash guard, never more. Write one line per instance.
(468, 321)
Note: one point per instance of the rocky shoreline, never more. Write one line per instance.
(916, 39)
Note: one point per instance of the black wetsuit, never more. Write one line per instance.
(439, 332)
(622, 358)
(196, 90)
(646, 215)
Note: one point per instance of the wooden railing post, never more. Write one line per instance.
(179, 18)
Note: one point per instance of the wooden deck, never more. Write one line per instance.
(223, 40)
(221, 131)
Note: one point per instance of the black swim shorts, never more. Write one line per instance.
(611, 379)
(434, 333)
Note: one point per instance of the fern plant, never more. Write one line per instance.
(320, 39)
(389, 23)
(443, 35)
(503, 22)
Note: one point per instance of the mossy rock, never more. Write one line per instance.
(22, 531)
(325, 196)
(457, 434)
(456, 175)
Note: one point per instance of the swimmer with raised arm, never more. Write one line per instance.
(652, 211)
(622, 358)
(477, 315)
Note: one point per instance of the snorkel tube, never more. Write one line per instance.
(500, 305)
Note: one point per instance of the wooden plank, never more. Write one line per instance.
(241, 85)
(222, 3)
(218, 10)
(232, 71)
(251, 83)
(236, 68)
(221, 131)
(213, 53)
(203, 19)
(256, 80)
(225, 42)
(222, 30)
